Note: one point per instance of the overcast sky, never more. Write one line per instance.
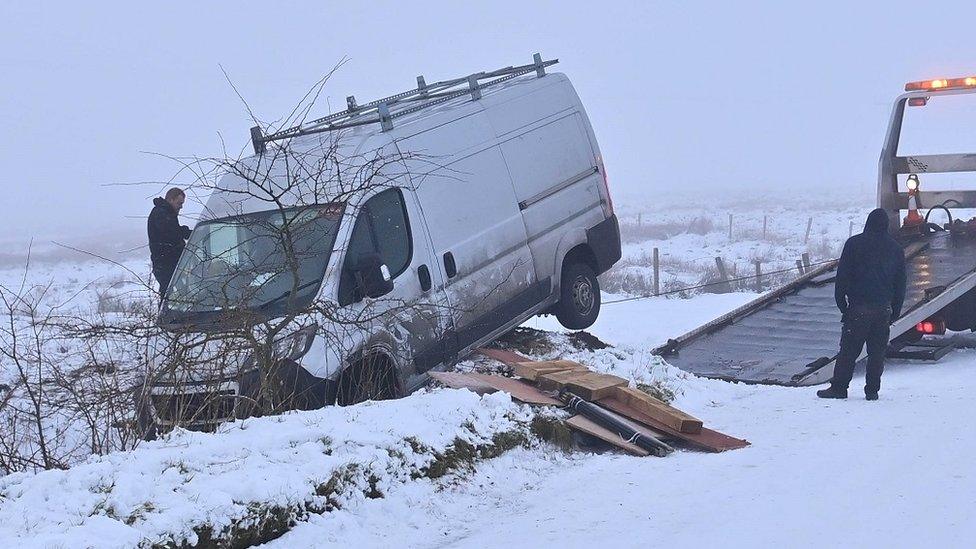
(736, 96)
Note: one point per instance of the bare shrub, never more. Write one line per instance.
(701, 225)
(631, 231)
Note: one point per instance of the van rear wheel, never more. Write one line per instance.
(579, 297)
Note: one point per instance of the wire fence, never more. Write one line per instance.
(716, 283)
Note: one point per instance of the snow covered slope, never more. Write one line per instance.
(892, 473)
(255, 474)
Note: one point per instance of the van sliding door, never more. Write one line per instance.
(476, 230)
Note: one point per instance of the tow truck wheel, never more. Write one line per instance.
(372, 378)
(579, 297)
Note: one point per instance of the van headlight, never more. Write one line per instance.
(294, 346)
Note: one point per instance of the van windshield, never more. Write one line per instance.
(265, 261)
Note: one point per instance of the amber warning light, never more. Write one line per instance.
(942, 84)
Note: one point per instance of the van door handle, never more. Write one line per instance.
(450, 267)
(423, 273)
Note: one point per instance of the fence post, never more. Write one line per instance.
(806, 261)
(723, 274)
(765, 220)
(806, 237)
(730, 226)
(799, 266)
(758, 275)
(657, 273)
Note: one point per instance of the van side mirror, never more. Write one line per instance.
(372, 277)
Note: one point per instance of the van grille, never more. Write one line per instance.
(194, 409)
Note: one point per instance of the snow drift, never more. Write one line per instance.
(252, 480)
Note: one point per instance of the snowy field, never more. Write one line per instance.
(893, 473)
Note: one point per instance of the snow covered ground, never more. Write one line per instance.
(177, 490)
(893, 473)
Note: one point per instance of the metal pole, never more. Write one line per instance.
(257, 140)
(657, 273)
(611, 421)
(540, 69)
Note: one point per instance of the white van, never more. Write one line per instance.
(499, 211)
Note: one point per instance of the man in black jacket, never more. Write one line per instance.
(869, 291)
(167, 237)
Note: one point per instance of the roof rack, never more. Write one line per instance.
(384, 111)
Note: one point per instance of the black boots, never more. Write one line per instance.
(832, 392)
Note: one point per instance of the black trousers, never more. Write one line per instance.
(863, 326)
(163, 276)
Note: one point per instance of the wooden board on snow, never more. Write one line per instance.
(556, 381)
(509, 358)
(589, 427)
(706, 439)
(461, 380)
(533, 369)
(670, 416)
(519, 389)
(594, 386)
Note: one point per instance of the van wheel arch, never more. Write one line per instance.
(373, 375)
(581, 253)
(579, 289)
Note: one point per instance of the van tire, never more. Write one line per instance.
(372, 378)
(579, 296)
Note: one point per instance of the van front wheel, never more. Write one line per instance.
(579, 297)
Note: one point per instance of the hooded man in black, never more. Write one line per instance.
(167, 237)
(869, 291)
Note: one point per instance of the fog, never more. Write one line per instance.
(720, 98)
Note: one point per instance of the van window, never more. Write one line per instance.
(381, 228)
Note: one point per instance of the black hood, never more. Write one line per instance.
(877, 222)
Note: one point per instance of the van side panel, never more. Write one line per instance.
(553, 166)
(472, 213)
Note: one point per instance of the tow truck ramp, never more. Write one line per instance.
(791, 336)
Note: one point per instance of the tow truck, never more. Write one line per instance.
(789, 336)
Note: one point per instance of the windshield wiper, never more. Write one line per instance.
(288, 293)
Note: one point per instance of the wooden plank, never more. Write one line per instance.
(556, 381)
(706, 439)
(509, 358)
(520, 390)
(533, 369)
(595, 385)
(673, 417)
(460, 380)
(589, 427)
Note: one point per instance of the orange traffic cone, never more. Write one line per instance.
(913, 219)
